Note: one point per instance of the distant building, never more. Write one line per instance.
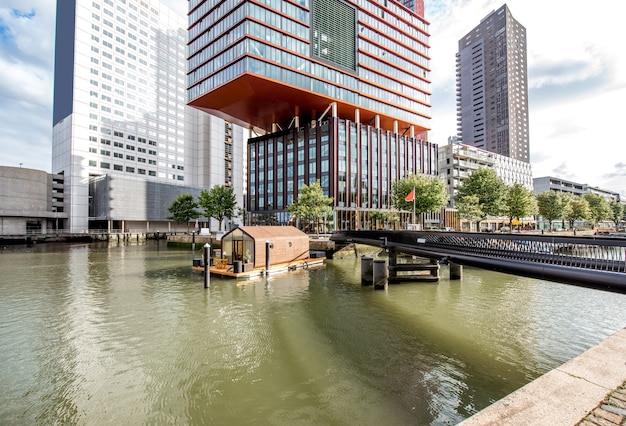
(31, 201)
(551, 183)
(458, 161)
(334, 91)
(120, 116)
(492, 87)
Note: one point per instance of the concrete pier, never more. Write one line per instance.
(578, 392)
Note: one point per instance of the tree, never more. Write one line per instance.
(489, 188)
(384, 216)
(617, 212)
(551, 205)
(311, 204)
(599, 207)
(183, 210)
(469, 208)
(430, 194)
(218, 203)
(577, 208)
(518, 203)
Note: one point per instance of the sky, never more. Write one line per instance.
(576, 80)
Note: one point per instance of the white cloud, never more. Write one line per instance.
(577, 82)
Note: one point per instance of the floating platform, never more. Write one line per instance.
(229, 270)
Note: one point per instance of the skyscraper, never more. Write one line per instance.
(492, 86)
(335, 91)
(123, 137)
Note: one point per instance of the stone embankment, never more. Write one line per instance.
(587, 390)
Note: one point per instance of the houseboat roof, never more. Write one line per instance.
(269, 232)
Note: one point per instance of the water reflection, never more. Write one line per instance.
(127, 334)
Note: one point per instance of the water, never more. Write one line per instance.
(126, 334)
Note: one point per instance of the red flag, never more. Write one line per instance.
(411, 196)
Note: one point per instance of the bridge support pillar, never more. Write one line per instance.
(456, 271)
(380, 274)
(367, 271)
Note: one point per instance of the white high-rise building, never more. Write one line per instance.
(120, 117)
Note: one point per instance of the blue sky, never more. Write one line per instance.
(576, 76)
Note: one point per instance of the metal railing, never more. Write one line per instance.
(594, 260)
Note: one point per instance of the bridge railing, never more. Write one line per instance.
(594, 253)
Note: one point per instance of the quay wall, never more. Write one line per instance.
(567, 394)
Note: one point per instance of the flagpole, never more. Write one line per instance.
(413, 205)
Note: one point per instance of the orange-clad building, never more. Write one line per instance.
(334, 90)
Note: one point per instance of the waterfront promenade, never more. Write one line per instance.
(587, 390)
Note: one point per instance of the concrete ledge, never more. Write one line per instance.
(565, 395)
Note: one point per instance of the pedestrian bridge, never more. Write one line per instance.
(592, 261)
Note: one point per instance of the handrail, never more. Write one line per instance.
(598, 261)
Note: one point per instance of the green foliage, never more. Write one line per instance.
(384, 216)
(489, 188)
(183, 210)
(218, 203)
(519, 202)
(551, 205)
(577, 208)
(311, 204)
(430, 194)
(617, 212)
(599, 207)
(469, 208)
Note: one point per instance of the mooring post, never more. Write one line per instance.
(207, 266)
(367, 271)
(193, 241)
(267, 257)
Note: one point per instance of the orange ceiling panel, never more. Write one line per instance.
(260, 102)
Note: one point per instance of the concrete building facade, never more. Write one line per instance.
(120, 111)
(492, 86)
(551, 183)
(31, 201)
(458, 161)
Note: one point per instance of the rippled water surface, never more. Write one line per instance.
(126, 334)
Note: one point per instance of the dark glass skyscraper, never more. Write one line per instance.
(492, 86)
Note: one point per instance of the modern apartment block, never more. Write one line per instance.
(492, 87)
(458, 161)
(335, 91)
(121, 123)
(551, 183)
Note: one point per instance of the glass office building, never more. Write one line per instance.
(336, 91)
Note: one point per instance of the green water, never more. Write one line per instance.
(126, 334)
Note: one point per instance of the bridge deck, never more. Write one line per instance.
(591, 261)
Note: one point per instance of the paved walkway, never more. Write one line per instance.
(611, 411)
(588, 390)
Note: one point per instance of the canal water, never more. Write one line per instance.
(126, 334)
